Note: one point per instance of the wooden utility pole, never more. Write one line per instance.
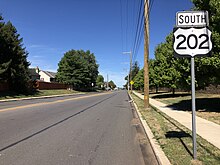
(146, 55)
(107, 81)
(130, 69)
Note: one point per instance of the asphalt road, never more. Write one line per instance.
(95, 129)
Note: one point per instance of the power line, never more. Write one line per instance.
(126, 33)
(122, 34)
(151, 5)
(137, 30)
(138, 27)
(140, 30)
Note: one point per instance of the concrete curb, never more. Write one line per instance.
(162, 158)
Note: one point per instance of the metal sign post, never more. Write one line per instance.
(193, 107)
(192, 38)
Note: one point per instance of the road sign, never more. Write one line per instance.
(190, 42)
(192, 19)
(131, 82)
(192, 38)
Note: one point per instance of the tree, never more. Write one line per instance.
(78, 68)
(139, 80)
(100, 81)
(155, 74)
(165, 73)
(208, 69)
(13, 58)
(213, 7)
(111, 84)
(134, 71)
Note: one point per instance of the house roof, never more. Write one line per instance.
(50, 74)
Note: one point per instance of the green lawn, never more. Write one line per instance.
(176, 140)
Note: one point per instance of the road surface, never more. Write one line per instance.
(94, 129)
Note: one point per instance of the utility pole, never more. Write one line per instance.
(146, 55)
(107, 81)
(129, 74)
(126, 70)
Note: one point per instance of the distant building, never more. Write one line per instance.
(47, 76)
(37, 74)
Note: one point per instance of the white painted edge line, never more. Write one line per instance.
(156, 147)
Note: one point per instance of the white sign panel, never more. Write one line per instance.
(192, 41)
(192, 18)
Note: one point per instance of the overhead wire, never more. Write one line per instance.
(138, 27)
(121, 15)
(151, 5)
(138, 31)
(135, 15)
(141, 31)
(126, 34)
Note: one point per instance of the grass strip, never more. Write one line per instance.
(176, 140)
(14, 95)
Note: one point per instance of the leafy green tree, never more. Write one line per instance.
(111, 84)
(134, 71)
(78, 68)
(208, 69)
(139, 80)
(175, 72)
(155, 74)
(213, 7)
(100, 81)
(13, 58)
(165, 73)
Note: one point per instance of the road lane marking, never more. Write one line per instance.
(53, 102)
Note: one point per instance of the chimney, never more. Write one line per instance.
(37, 69)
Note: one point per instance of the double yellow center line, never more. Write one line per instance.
(49, 103)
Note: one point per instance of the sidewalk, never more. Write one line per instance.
(206, 129)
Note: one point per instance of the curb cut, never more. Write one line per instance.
(162, 158)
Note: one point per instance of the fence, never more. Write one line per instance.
(4, 86)
(47, 85)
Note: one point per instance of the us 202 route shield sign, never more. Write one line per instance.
(192, 41)
(192, 36)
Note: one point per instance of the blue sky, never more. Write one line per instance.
(50, 28)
